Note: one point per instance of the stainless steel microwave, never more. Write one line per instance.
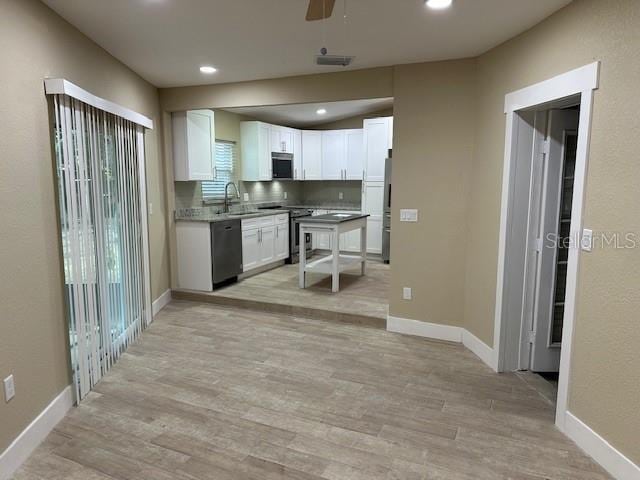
(282, 166)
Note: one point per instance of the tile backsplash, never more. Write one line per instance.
(189, 194)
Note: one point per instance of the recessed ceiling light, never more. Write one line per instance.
(438, 4)
(321, 111)
(208, 69)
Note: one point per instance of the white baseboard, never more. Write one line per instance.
(161, 302)
(614, 462)
(424, 329)
(444, 332)
(481, 349)
(35, 433)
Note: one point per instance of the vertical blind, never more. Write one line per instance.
(100, 174)
(225, 163)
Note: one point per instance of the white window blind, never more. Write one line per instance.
(100, 173)
(225, 159)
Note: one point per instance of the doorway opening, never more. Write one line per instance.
(546, 151)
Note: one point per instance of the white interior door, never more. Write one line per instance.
(556, 188)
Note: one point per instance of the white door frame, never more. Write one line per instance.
(581, 81)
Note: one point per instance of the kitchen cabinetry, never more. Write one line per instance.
(281, 139)
(378, 135)
(193, 241)
(282, 241)
(193, 145)
(333, 154)
(373, 204)
(255, 146)
(354, 168)
(265, 240)
(297, 155)
(342, 154)
(311, 155)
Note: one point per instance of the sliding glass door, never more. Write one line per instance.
(100, 172)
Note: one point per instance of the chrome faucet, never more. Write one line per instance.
(226, 195)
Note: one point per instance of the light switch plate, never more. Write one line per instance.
(9, 388)
(407, 293)
(586, 242)
(408, 215)
(285, 195)
(246, 197)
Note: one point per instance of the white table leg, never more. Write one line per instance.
(335, 270)
(363, 247)
(303, 260)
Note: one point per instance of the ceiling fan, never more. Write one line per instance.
(321, 10)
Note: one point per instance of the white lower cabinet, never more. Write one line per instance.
(373, 204)
(282, 241)
(265, 240)
(250, 249)
(267, 244)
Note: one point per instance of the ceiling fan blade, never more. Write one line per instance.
(319, 9)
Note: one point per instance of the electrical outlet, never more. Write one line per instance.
(340, 196)
(407, 293)
(150, 208)
(246, 197)
(9, 388)
(285, 195)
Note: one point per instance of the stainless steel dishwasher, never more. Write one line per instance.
(226, 250)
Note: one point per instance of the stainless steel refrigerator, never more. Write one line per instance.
(386, 216)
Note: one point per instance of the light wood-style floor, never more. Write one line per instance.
(215, 393)
(361, 299)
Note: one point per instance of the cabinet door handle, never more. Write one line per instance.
(295, 173)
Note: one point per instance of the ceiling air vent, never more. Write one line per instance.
(334, 60)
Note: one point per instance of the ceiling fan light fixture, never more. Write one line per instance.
(438, 4)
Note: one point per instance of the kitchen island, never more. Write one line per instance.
(334, 224)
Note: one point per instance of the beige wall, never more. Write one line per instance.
(328, 87)
(35, 43)
(605, 378)
(434, 106)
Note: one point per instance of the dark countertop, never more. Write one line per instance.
(333, 218)
(217, 217)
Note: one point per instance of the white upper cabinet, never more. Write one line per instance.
(354, 167)
(297, 155)
(311, 155)
(282, 139)
(334, 155)
(194, 140)
(378, 134)
(255, 148)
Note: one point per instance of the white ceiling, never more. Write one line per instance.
(304, 115)
(165, 41)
